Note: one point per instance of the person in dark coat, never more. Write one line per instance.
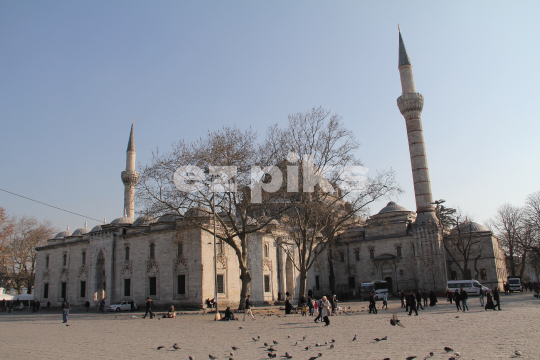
(425, 295)
(464, 297)
(132, 305)
(432, 298)
(407, 301)
(419, 300)
(449, 295)
(489, 302)
(288, 305)
(402, 298)
(372, 304)
(412, 304)
(65, 310)
(496, 298)
(48, 305)
(149, 306)
(87, 306)
(457, 299)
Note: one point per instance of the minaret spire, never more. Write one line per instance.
(410, 105)
(130, 176)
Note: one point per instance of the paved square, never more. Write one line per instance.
(477, 334)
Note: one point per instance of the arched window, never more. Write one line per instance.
(127, 253)
(84, 257)
(180, 249)
(265, 250)
(342, 256)
(357, 255)
(372, 253)
(64, 260)
(47, 262)
(398, 248)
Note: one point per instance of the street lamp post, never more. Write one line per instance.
(217, 317)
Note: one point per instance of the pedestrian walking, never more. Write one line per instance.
(102, 306)
(449, 296)
(48, 305)
(319, 311)
(496, 298)
(482, 294)
(432, 298)
(402, 298)
(310, 305)
(419, 300)
(385, 301)
(65, 310)
(132, 305)
(464, 297)
(457, 299)
(87, 306)
(325, 310)
(248, 308)
(489, 302)
(425, 295)
(412, 304)
(334, 305)
(303, 305)
(372, 304)
(149, 306)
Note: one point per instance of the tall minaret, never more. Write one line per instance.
(130, 177)
(410, 105)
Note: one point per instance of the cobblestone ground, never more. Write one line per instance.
(477, 334)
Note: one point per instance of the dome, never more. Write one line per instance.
(392, 207)
(197, 212)
(123, 220)
(168, 218)
(96, 228)
(469, 226)
(144, 220)
(273, 222)
(63, 234)
(82, 231)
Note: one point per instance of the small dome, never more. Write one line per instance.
(469, 226)
(63, 234)
(123, 220)
(168, 218)
(392, 207)
(96, 228)
(273, 222)
(144, 220)
(81, 231)
(197, 212)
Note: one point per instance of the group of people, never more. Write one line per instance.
(526, 285)
(489, 299)
(412, 301)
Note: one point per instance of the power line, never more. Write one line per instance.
(42, 203)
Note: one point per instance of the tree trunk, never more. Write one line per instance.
(245, 277)
(332, 274)
(303, 282)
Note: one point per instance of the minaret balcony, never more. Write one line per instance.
(410, 102)
(130, 177)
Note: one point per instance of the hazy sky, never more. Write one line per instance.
(74, 73)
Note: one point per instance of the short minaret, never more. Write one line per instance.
(130, 177)
(410, 105)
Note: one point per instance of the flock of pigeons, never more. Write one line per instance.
(271, 348)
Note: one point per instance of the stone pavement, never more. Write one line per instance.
(477, 334)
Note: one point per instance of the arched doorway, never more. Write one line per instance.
(100, 277)
(289, 284)
(388, 280)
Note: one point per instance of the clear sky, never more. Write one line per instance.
(74, 73)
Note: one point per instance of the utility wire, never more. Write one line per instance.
(42, 203)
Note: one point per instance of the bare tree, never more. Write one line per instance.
(19, 254)
(461, 243)
(532, 219)
(324, 200)
(205, 186)
(514, 235)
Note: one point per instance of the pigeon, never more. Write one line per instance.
(331, 346)
(333, 340)
(287, 356)
(234, 348)
(191, 358)
(67, 324)
(448, 349)
(275, 342)
(411, 357)
(307, 347)
(255, 339)
(354, 338)
(288, 336)
(160, 347)
(296, 343)
(265, 344)
(517, 353)
(270, 355)
(212, 357)
(431, 353)
(271, 349)
(394, 321)
(317, 344)
(313, 357)
(240, 328)
(377, 339)
(457, 354)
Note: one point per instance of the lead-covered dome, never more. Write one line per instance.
(168, 218)
(63, 234)
(144, 220)
(96, 228)
(392, 207)
(81, 231)
(124, 220)
(469, 226)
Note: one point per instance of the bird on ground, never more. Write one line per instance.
(175, 346)
(275, 342)
(354, 338)
(307, 347)
(517, 353)
(191, 358)
(234, 348)
(333, 340)
(240, 328)
(317, 344)
(394, 321)
(271, 349)
(231, 358)
(448, 349)
(411, 357)
(67, 324)
(270, 355)
(304, 338)
(265, 344)
(431, 353)
(287, 356)
(288, 336)
(255, 339)
(296, 343)
(331, 346)
(457, 354)
(160, 347)
(212, 357)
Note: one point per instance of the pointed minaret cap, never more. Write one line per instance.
(68, 228)
(105, 220)
(403, 56)
(131, 143)
(85, 223)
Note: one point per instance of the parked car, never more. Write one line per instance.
(124, 305)
(472, 287)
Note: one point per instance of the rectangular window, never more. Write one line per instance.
(152, 250)
(83, 289)
(64, 260)
(63, 292)
(352, 283)
(317, 283)
(398, 252)
(47, 262)
(483, 274)
(342, 256)
(84, 258)
(127, 287)
(372, 254)
(181, 286)
(220, 284)
(180, 249)
(153, 286)
(267, 283)
(127, 253)
(357, 255)
(468, 273)
(46, 291)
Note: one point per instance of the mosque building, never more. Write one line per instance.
(172, 261)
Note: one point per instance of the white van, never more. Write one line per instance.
(472, 287)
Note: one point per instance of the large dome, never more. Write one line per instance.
(392, 207)
(469, 226)
(168, 218)
(123, 220)
(144, 220)
(82, 231)
(96, 228)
